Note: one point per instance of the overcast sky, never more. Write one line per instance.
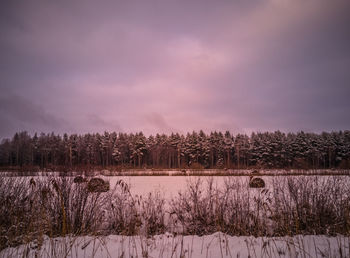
(174, 66)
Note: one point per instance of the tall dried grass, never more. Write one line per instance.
(35, 208)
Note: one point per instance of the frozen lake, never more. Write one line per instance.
(170, 186)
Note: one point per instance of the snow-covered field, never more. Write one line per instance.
(167, 246)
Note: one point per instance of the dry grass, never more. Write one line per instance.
(304, 205)
(33, 209)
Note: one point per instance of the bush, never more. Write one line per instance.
(256, 182)
(49, 206)
(98, 185)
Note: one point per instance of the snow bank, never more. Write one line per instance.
(167, 245)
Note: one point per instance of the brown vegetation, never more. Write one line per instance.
(33, 208)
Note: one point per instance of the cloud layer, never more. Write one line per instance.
(163, 66)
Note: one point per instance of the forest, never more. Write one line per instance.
(196, 150)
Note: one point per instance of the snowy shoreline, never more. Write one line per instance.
(184, 172)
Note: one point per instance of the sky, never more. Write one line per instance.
(174, 66)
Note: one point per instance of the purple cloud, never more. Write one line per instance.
(174, 66)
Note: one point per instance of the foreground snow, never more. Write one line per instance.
(167, 245)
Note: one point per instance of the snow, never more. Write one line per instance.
(167, 245)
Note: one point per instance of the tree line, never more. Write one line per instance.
(193, 150)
